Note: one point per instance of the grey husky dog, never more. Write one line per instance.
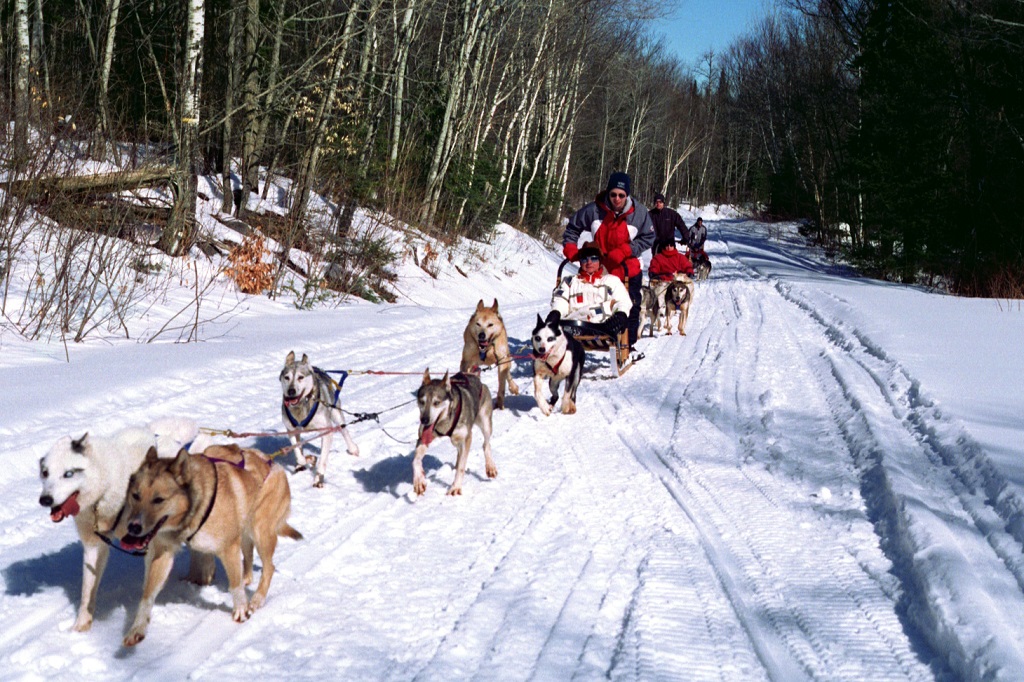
(310, 402)
(678, 297)
(450, 407)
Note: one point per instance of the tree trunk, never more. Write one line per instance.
(21, 81)
(38, 189)
(229, 105)
(106, 61)
(38, 56)
(180, 233)
(404, 41)
(250, 164)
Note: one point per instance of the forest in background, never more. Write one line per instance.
(895, 129)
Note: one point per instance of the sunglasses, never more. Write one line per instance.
(590, 259)
(617, 195)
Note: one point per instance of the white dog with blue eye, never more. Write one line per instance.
(87, 479)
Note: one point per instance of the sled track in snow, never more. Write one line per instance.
(849, 631)
(974, 490)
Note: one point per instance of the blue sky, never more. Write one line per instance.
(695, 26)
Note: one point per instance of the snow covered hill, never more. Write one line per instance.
(799, 488)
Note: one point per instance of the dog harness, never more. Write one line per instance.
(240, 464)
(116, 544)
(455, 419)
(209, 507)
(324, 376)
(554, 370)
(457, 379)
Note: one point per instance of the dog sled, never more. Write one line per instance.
(594, 339)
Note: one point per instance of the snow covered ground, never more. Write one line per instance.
(821, 481)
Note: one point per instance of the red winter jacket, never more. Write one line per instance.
(616, 236)
(667, 263)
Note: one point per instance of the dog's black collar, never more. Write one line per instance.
(209, 507)
(115, 543)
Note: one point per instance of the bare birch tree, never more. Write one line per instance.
(475, 18)
(21, 80)
(106, 63)
(180, 233)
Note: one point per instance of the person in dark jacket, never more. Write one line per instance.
(621, 228)
(666, 222)
(698, 235)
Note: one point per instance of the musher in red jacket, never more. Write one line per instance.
(621, 229)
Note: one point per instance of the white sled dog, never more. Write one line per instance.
(87, 478)
(310, 402)
(450, 407)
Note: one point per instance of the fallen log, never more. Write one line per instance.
(42, 188)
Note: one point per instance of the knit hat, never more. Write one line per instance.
(588, 249)
(658, 196)
(619, 181)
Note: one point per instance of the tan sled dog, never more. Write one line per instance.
(486, 343)
(678, 298)
(450, 407)
(86, 479)
(223, 502)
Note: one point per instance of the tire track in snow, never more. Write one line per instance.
(997, 516)
(900, 439)
(799, 641)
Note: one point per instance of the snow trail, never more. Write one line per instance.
(674, 529)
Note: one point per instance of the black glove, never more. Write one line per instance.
(617, 322)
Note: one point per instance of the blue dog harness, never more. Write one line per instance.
(323, 375)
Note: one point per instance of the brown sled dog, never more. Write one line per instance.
(485, 342)
(223, 502)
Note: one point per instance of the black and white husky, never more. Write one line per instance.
(309, 402)
(557, 357)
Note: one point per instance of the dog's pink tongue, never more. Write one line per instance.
(427, 435)
(69, 508)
